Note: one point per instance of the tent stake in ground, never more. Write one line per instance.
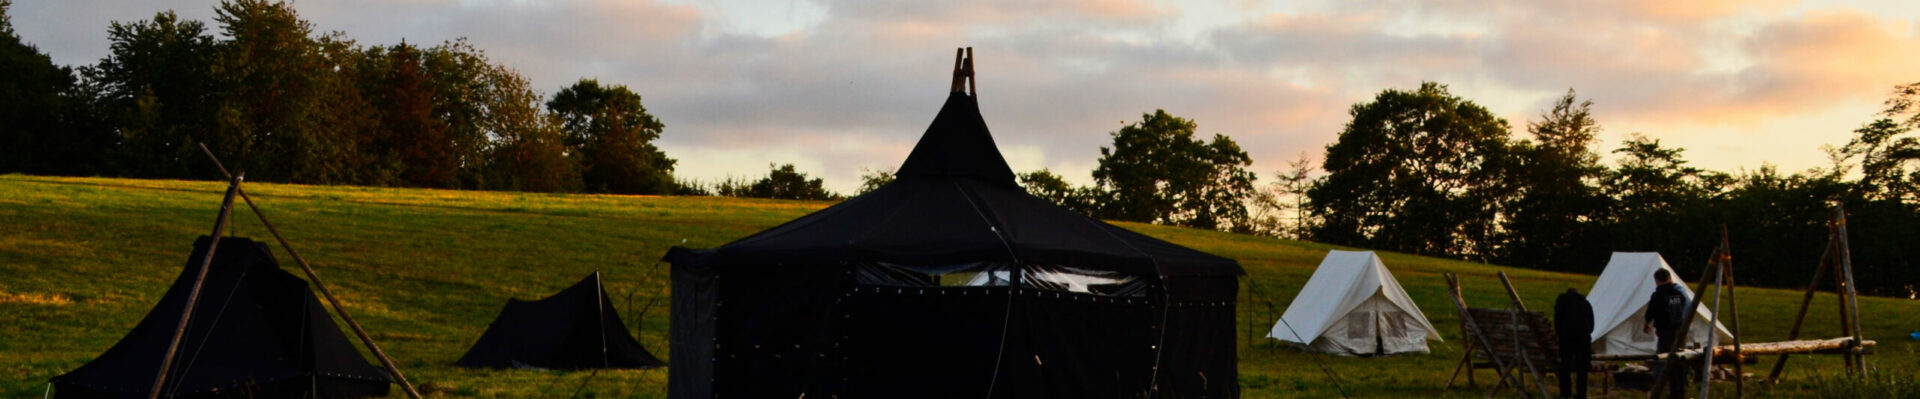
(385, 361)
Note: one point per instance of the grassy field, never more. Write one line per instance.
(82, 259)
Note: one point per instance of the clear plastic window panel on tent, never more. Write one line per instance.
(997, 274)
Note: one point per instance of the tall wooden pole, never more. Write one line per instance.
(1733, 313)
(959, 70)
(1852, 297)
(973, 88)
(315, 278)
(1713, 319)
(193, 294)
(1840, 305)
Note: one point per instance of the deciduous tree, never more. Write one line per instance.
(1158, 172)
(1417, 171)
(1554, 219)
(612, 135)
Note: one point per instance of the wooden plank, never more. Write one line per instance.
(1725, 353)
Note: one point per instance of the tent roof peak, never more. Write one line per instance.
(958, 144)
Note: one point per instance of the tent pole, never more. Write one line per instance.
(1680, 336)
(599, 302)
(973, 89)
(315, 278)
(1806, 302)
(1249, 312)
(959, 61)
(193, 294)
(1852, 295)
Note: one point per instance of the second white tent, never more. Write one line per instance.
(1353, 306)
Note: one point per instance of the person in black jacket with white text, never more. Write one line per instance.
(1573, 322)
(1666, 312)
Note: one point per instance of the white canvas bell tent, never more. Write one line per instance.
(1353, 306)
(1619, 301)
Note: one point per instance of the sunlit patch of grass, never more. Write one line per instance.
(34, 298)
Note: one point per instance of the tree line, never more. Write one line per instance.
(1420, 171)
(1427, 172)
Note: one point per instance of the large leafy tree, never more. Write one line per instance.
(158, 81)
(35, 98)
(1415, 171)
(411, 131)
(1884, 150)
(527, 148)
(279, 123)
(1158, 172)
(1661, 203)
(612, 135)
(1554, 220)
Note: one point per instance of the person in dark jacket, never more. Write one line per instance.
(1666, 312)
(1573, 322)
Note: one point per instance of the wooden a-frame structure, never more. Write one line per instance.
(219, 229)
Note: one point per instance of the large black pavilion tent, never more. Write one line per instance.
(260, 334)
(951, 281)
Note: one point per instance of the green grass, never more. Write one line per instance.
(82, 259)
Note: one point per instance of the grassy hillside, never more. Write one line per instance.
(82, 259)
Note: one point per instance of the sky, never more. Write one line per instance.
(837, 86)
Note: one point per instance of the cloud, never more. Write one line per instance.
(836, 85)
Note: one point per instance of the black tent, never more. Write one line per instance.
(560, 332)
(951, 281)
(257, 332)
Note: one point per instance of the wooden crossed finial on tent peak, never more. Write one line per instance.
(963, 79)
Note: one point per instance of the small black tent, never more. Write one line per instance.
(951, 281)
(560, 332)
(257, 332)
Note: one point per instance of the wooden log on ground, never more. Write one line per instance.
(1726, 352)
